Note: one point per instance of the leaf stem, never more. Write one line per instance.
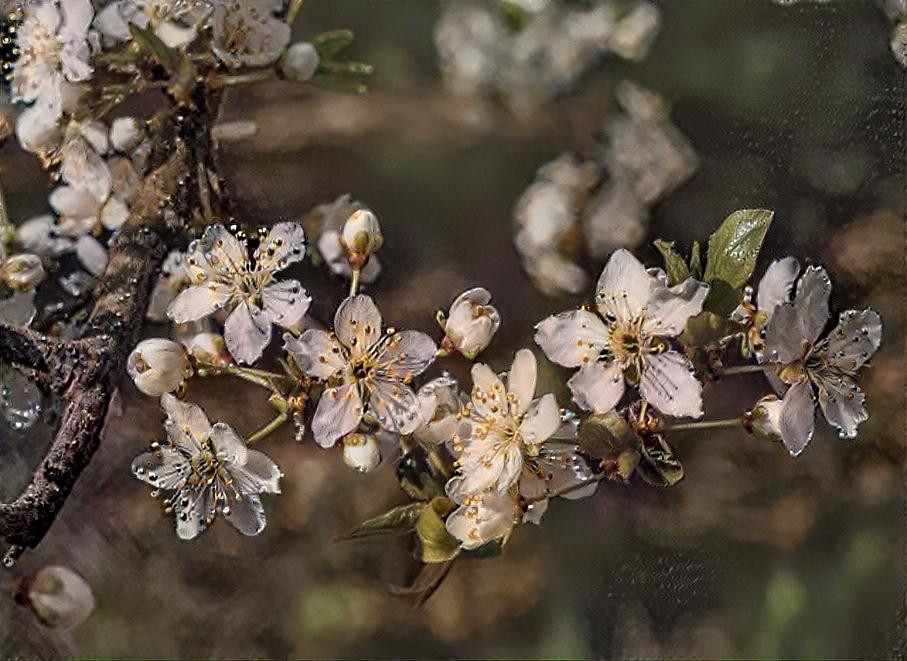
(269, 428)
(262, 378)
(705, 424)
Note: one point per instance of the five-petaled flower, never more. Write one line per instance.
(247, 33)
(828, 366)
(207, 468)
(224, 275)
(625, 341)
(362, 366)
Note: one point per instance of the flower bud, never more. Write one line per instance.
(158, 366)
(764, 421)
(58, 596)
(209, 348)
(22, 271)
(300, 62)
(471, 322)
(126, 133)
(361, 452)
(361, 237)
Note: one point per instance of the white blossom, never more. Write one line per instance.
(440, 404)
(300, 62)
(92, 255)
(41, 236)
(158, 366)
(471, 322)
(58, 596)
(174, 276)
(361, 237)
(173, 20)
(361, 452)
(225, 276)
(247, 33)
(636, 311)
(505, 423)
(363, 367)
(22, 271)
(823, 369)
(126, 133)
(207, 468)
(38, 129)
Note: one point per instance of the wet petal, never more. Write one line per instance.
(811, 302)
(259, 474)
(842, 402)
(624, 286)
(196, 515)
(284, 245)
(247, 515)
(572, 338)
(597, 386)
(165, 468)
(357, 324)
(489, 463)
(186, 424)
(784, 341)
(317, 353)
(285, 302)
(339, 412)
(228, 445)
(200, 301)
(488, 394)
(541, 420)
(777, 284)
(797, 420)
(405, 355)
(488, 517)
(395, 406)
(669, 308)
(247, 332)
(854, 340)
(669, 385)
(219, 251)
(521, 381)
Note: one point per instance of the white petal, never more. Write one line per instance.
(406, 354)
(258, 474)
(92, 255)
(196, 302)
(597, 386)
(228, 445)
(218, 251)
(196, 516)
(624, 286)
(521, 380)
(784, 340)
(247, 332)
(797, 417)
(811, 303)
(339, 412)
(854, 340)
(572, 338)
(490, 516)
(488, 394)
(670, 308)
(37, 129)
(777, 284)
(395, 406)
(247, 515)
(357, 324)
(669, 385)
(842, 402)
(186, 424)
(77, 17)
(285, 302)
(541, 420)
(284, 245)
(114, 214)
(165, 468)
(74, 202)
(489, 463)
(317, 353)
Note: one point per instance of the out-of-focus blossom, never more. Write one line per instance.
(331, 217)
(362, 367)
(300, 62)
(41, 236)
(18, 309)
(59, 597)
(92, 255)
(361, 237)
(207, 468)
(774, 289)
(158, 366)
(22, 271)
(174, 276)
(173, 20)
(471, 322)
(248, 33)
(505, 423)
(625, 341)
(614, 218)
(208, 348)
(440, 405)
(813, 367)
(235, 131)
(361, 452)
(224, 275)
(126, 133)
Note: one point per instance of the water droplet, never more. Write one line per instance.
(20, 400)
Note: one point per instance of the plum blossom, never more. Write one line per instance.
(158, 366)
(774, 289)
(625, 340)
(471, 322)
(173, 278)
(362, 367)
(42, 236)
(208, 348)
(506, 423)
(361, 452)
(300, 62)
(440, 404)
(207, 468)
(247, 33)
(361, 237)
(172, 20)
(823, 369)
(224, 275)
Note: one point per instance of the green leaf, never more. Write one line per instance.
(602, 434)
(399, 518)
(435, 543)
(347, 68)
(329, 44)
(733, 250)
(659, 467)
(707, 328)
(151, 44)
(675, 266)
(696, 261)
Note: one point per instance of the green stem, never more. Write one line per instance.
(259, 377)
(354, 283)
(705, 424)
(741, 369)
(245, 78)
(269, 428)
(295, 6)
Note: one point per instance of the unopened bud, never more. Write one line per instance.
(301, 61)
(58, 596)
(158, 366)
(209, 348)
(361, 237)
(22, 271)
(361, 452)
(764, 421)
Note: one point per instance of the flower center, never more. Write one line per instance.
(627, 343)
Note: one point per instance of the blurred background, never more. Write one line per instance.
(797, 108)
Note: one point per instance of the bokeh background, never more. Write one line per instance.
(798, 108)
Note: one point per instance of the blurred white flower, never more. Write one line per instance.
(41, 236)
(224, 275)
(440, 406)
(827, 366)
(774, 289)
(22, 271)
(505, 423)
(208, 348)
(174, 276)
(636, 311)
(126, 133)
(332, 217)
(158, 366)
(361, 452)
(247, 33)
(471, 322)
(92, 255)
(173, 20)
(38, 130)
(362, 366)
(300, 61)
(59, 597)
(207, 468)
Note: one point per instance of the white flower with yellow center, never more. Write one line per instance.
(505, 423)
(224, 274)
(247, 33)
(172, 20)
(362, 367)
(625, 340)
(207, 468)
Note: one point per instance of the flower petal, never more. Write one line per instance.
(489, 463)
(395, 406)
(842, 402)
(521, 381)
(284, 245)
(669, 385)
(357, 324)
(542, 419)
(247, 515)
(669, 308)
(488, 517)
(186, 424)
(165, 468)
(247, 332)
(285, 302)
(406, 354)
(797, 421)
(339, 412)
(259, 474)
(811, 303)
(200, 301)
(198, 513)
(228, 445)
(624, 286)
(488, 395)
(317, 353)
(572, 338)
(597, 386)
(777, 284)
(854, 340)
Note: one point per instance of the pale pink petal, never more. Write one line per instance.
(597, 386)
(339, 412)
(572, 338)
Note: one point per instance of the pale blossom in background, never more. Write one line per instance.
(22, 271)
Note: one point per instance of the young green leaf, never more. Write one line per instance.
(435, 543)
(395, 519)
(732, 254)
(675, 267)
(329, 44)
(152, 44)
